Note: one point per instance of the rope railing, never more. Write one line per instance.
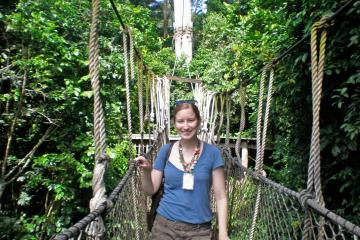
(280, 215)
(281, 211)
(117, 209)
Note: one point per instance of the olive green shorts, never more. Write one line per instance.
(165, 229)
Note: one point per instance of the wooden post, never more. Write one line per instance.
(244, 154)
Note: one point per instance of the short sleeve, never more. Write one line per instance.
(160, 160)
(218, 160)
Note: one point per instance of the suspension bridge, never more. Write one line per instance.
(259, 208)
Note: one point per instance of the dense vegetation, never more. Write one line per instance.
(46, 100)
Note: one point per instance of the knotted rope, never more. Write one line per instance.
(317, 74)
(261, 140)
(97, 228)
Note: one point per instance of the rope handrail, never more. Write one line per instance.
(101, 208)
(97, 228)
(306, 202)
(291, 48)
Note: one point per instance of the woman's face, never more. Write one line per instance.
(186, 123)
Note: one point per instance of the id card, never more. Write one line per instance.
(188, 181)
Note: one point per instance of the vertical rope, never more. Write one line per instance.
(258, 151)
(152, 102)
(128, 106)
(221, 120)
(152, 97)
(97, 228)
(256, 212)
(214, 117)
(127, 89)
(227, 140)
(261, 140)
(266, 117)
(258, 122)
(147, 98)
(167, 86)
(141, 105)
(154, 106)
(132, 79)
(242, 121)
(317, 74)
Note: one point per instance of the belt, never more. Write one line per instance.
(183, 224)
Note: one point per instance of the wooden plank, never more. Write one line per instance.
(190, 80)
(251, 142)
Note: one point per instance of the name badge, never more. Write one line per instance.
(188, 181)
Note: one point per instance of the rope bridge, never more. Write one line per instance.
(281, 210)
(259, 208)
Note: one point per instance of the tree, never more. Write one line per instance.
(46, 108)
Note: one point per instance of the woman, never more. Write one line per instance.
(192, 167)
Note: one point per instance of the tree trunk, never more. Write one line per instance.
(183, 29)
(2, 189)
(165, 8)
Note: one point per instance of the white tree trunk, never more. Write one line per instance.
(183, 29)
(204, 7)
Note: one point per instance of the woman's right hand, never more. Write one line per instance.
(143, 163)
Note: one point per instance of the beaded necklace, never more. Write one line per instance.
(188, 167)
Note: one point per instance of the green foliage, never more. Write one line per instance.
(56, 180)
(118, 165)
(292, 108)
(45, 42)
(235, 41)
(244, 196)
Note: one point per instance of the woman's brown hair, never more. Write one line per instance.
(185, 105)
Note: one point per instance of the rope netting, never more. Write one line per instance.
(281, 211)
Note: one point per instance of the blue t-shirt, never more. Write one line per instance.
(190, 206)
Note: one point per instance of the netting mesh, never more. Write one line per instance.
(280, 214)
(121, 221)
